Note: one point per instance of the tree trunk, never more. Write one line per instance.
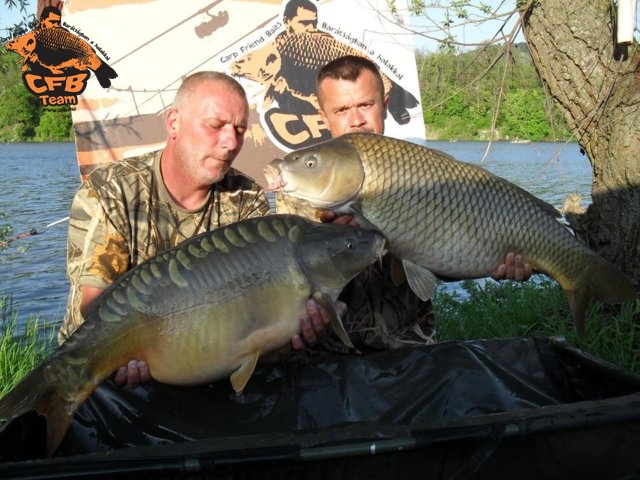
(597, 87)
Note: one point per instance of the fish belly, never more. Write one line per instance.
(210, 342)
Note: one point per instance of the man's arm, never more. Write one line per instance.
(89, 294)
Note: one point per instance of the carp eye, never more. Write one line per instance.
(350, 245)
(311, 162)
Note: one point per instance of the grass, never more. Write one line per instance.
(21, 347)
(538, 308)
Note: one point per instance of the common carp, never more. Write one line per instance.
(208, 308)
(445, 218)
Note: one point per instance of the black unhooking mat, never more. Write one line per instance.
(517, 408)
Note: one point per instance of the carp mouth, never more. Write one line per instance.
(277, 183)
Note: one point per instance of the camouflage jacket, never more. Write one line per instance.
(382, 310)
(122, 215)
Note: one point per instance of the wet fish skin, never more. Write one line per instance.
(200, 311)
(445, 218)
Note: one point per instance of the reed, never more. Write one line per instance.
(23, 345)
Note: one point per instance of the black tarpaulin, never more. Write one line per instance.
(516, 408)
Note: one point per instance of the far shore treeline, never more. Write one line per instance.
(460, 94)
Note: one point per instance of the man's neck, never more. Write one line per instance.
(185, 191)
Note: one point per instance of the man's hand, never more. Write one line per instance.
(133, 374)
(513, 268)
(317, 322)
(314, 325)
(327, 216)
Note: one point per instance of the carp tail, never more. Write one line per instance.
(104, 74)
(35, 394)
(606, 283)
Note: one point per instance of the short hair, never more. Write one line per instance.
(46, 11)
(193, 81)
(291, 8)
(349, 67)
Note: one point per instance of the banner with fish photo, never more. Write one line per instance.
(274, 48)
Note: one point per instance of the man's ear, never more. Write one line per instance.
(323, 117)
(172, 120)
(385, 102)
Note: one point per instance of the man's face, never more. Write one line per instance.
(304, 21)
(359, 106)
(51, 21)
(210, 130)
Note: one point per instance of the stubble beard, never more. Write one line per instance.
(216, 172)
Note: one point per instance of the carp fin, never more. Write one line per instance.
(336, 322)
(606, 283)
(421, 280)
(241, 376)
(398, 276)
(35, 394)
(578, 301)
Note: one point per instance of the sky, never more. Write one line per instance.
(473, 30)
(11, 16)
(476, 28)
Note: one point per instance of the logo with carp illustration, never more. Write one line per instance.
(286, 66)
(59, 61)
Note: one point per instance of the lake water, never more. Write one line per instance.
(37, 184)
(38, 181)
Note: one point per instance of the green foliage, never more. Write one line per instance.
(5, 231)
(523, 115)
(17, 4)
(22, 117)
(5, 243)
(509, 309)
(21, 350)
(10, 69)
(19, 114)
(462, 93)
(54, 126)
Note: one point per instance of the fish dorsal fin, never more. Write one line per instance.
(421, 280)
(241, 376)
(336, 322)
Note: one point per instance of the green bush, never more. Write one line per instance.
(54, 126)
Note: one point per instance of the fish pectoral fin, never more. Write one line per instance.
(421, 280)
(398, 276)
(336, 322)
(241, 376)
